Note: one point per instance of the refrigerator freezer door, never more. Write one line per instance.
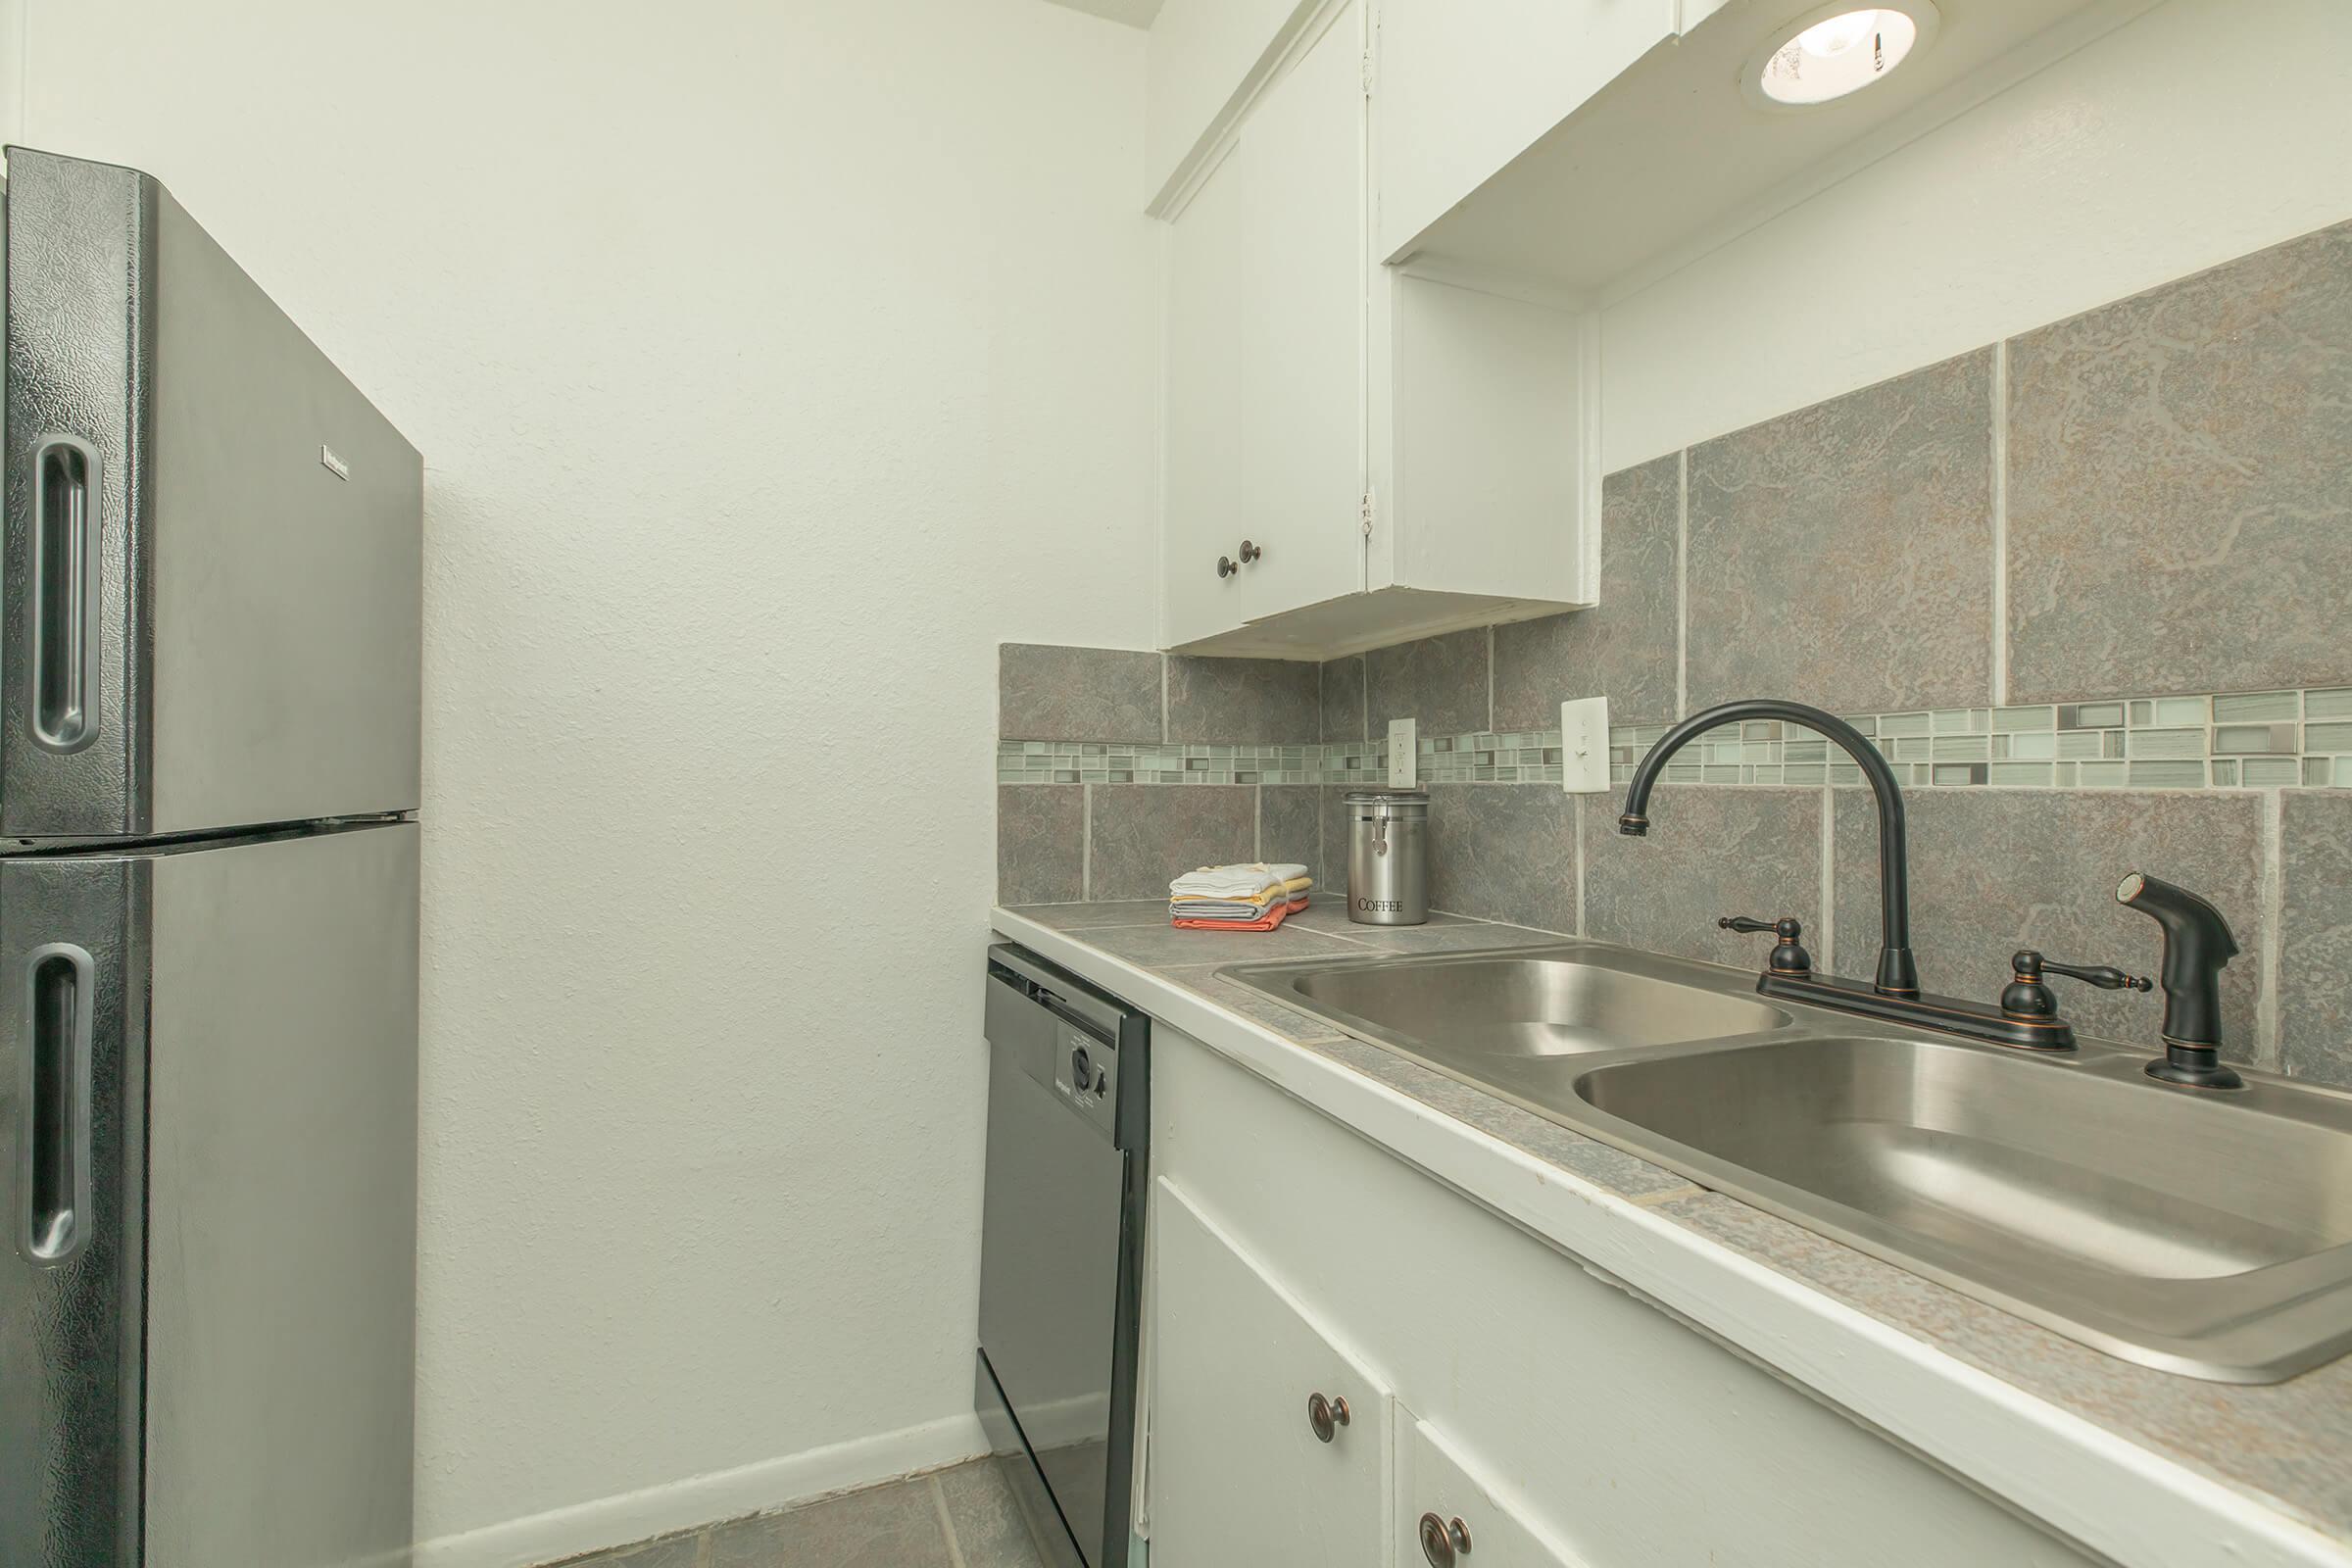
(213, 556)
(271, 1417)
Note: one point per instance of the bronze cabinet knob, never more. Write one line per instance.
(1250, 551)
(1443, 1539)
(1226, 567)
(1325, 1417)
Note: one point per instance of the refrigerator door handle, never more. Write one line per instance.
(65, 584)
(56, 1138)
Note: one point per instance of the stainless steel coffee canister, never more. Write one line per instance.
(1388, 856)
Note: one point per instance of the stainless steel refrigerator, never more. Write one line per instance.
(209, 709)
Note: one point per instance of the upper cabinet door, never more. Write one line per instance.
(1245, 1466)
(1205, 58)
(1265, 328)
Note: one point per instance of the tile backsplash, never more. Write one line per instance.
(2089, 590)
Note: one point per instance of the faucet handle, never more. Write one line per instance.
(2026, 997)
(2103, 976)
(1788, 956)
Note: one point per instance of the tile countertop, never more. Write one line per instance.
(2143, 1466)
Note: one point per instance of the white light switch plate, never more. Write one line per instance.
(1405, 746)
(1584, 745)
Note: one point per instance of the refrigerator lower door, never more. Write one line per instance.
(260, 1411)
(212, 560)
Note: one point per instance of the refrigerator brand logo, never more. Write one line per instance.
(332, 464)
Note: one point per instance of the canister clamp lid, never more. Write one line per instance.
(1388, 802)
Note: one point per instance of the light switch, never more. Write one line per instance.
(1584, 745)
(1404, 745)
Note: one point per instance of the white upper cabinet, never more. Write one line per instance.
(1580, 148)
(1465, 88)
(1350, 456)
(1263, 416)
(1207, 57)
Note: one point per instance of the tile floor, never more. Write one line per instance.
(959, 1518)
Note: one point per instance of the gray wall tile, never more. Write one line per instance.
(1040, 843)
(1997, 870)
(892, 1526)
(1503, 851)
(1623, 647)
(1289, 827)
(1343, 698)
(1710, 852)
(1244, 702)
(1440, 682)
(1077, 694)
(1842, 554)
(2315, 956)
(2181, 484)
(1334, 798)
(1146, 835)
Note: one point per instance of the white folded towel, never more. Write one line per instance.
(1233, 881)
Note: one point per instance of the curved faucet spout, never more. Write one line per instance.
(1897, 975)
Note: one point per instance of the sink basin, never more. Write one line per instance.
(2209, 1234)
(1528, 1003)
(2203, 1233)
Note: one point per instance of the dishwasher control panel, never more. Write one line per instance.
(1064, 1034)
(1087, 1074)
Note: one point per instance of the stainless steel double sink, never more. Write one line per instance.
(2207, 1234)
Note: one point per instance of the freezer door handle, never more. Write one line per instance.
(56, 1179)
(65, 579)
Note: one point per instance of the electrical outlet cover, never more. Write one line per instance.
(1404, 753)
(1584, 745)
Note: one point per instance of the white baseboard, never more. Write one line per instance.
(699, 1499)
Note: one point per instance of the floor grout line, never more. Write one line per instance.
(947, 1524)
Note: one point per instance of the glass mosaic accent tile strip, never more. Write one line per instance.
(2246, 740)
(1136, 762)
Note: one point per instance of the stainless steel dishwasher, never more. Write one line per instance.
(1061, 1251)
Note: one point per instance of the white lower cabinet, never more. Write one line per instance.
(1269, 1442)
(1489, 1378)
(1449, 1516)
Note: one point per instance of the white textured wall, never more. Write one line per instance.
(772, 362)
(2203, 130)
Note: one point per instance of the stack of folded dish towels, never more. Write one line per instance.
(1238, 898)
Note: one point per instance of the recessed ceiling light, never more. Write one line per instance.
(1837, 49)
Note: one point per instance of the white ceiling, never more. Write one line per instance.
(1134, 12)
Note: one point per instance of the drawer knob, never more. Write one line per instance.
(1325, 1416)
(1250, 551)
(1226, 567)
(1443, 1539)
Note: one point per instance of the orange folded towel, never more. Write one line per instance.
(1273, 917)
